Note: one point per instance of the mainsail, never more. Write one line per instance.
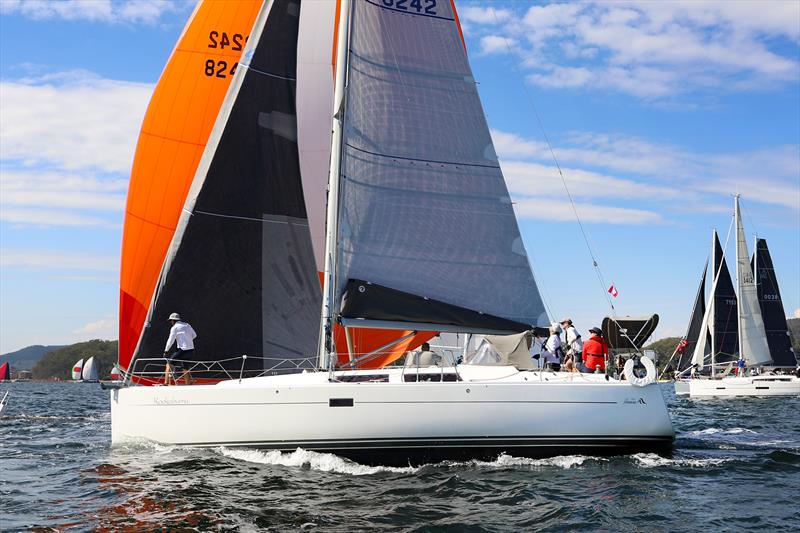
(174, 133)
(696, 326)
(5, 372)
(752, 337)
(426, 234)
(769, 299)
(241, 266)
(724, 327)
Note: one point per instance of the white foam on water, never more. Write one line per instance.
(324, 462)
(505, 461)
(652, 460)
(560, 461)
(732, 431)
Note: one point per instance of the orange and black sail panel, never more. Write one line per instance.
(176, 127)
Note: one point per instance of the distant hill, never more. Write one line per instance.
(664, 348)
(25, 358)
(58, 363)
(794, 331)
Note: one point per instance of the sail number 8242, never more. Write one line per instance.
(428, 7)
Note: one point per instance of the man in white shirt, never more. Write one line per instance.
(182, 335)
(573, 340)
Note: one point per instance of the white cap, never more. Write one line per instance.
(174, 316)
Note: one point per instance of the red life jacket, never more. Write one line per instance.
(595, 351)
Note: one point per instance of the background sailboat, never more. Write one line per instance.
(77, 370)
(754, 350)
(89, 373)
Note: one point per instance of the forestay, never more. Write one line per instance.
(424, 215)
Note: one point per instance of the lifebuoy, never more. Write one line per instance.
(649, 377)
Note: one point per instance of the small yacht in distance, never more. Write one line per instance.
(741, 340)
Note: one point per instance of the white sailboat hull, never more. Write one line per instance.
(397, 421)
(730, 387)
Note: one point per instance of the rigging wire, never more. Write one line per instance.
(584, 233)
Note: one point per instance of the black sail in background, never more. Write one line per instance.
(241, 268)
(726, 326)
(695, 325)
(769, 299)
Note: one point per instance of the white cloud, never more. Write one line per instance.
(49, 217)
(797, 313)
(660, 182)
(68, 140)
(561, 210)
(72, 121)
(109, 11)
(58, 260)
(105, 328)
(484, 15)
(534, 178)
(652, 50)
(494, 44)
(57, 190)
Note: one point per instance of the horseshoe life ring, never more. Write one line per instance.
(649, 377)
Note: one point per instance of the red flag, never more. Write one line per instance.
(612, 290)
(682, 345)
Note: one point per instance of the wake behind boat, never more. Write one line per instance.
(419, 237)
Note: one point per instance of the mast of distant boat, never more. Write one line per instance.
(326, 338)
(713, 301)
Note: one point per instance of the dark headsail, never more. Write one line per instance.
(769, 299)
(241, 268)
(726, 328)
(695, 325)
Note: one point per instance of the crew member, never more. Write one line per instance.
(551, 351)
(595, 352)
(182, 335)
(425, 357)
(574, 343)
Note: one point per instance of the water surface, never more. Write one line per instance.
(736, 466)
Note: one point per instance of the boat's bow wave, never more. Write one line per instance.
(328, 462)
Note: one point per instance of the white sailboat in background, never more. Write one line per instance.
(89, 373)
(420, 236)
(766, 353)
(77, 370)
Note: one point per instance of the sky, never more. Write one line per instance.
(657, 113)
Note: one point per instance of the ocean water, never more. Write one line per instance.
(735, 467)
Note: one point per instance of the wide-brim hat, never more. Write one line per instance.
(174, 316)
(564, 320)
(598, 331)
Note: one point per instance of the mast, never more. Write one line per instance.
(326, 347)
(737, 222)
(713, 307)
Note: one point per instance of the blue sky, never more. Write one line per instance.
(657, 113)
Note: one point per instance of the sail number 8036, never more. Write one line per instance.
(427, 7)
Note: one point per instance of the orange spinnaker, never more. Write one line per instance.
(176, 127)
